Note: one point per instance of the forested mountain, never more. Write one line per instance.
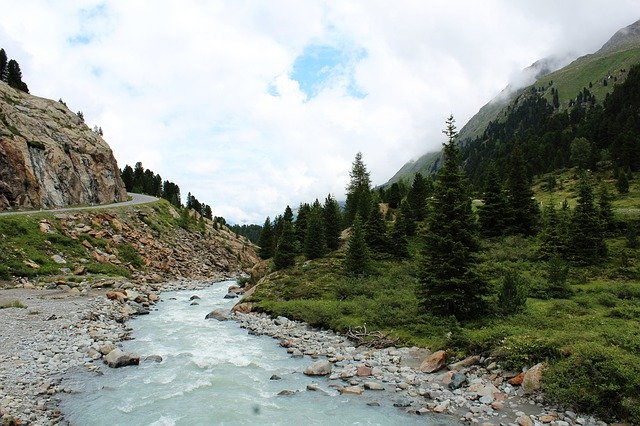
(561, 90)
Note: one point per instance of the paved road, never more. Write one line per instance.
(135, 200)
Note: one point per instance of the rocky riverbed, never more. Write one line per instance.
(59, 331)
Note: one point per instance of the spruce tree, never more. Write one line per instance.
(410, 224)
(285, 254)
(357, 260)
(553, 238)
(394, 197)
(300, 228)
(523, 210)
(449, 283)
(493, 212)
(314, 244)
(14, 76)
(332, 221)
(288, 214)
(375, 229)
(417, 197)
(266, 240)
(399, 246)
(358, 192)
(605, 210)
(127, 177)
(587, 240)
(3, 65)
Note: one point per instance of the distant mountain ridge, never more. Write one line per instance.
(620, 52)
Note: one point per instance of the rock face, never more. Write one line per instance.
(50, 158)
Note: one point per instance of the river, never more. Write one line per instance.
(216, 373)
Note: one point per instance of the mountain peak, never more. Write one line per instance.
(623, 39)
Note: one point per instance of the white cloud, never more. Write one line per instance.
(185, 87)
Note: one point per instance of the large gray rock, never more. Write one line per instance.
(319, 368)
(117, 358)
(220, 314)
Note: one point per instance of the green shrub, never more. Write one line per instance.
(594, 379)
(607, 300)
(13, 304)
(513, 294)
(108, 269)
(520, 351)
(557, 271)
(128, 254)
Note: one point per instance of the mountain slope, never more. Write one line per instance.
(599, 72)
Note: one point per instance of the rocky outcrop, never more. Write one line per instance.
(50, 158)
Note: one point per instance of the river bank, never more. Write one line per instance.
(59, 331)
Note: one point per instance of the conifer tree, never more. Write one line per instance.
(410, 226)
(332, 221)
(14, 76)
(622, 183)
(523, 210)
(358, 192)
(285, 254)
(375, 229)
(315, 245)
(493, 212)
(394, 197)
(587, 240)
(399, 246)
(417, 197)
(449, 283)
(3, 65)
(300, 228)
(266, 240)
(288, 214)
(357, 260)
(138, 179)
(127, 177)
(605, 210)
(553, 236)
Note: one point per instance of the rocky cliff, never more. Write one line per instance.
(50, 158)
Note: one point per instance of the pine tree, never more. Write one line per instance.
(3, 65)
(605, 210)
(417, 197)
(513, 295)
(394, 196)
(138, 179)
(399, 246)
(553, 238)
(375, 229)
(493, 212)
(285, 254)
(315, 245)
(587, 240)
(410, 225)
(127, 177)
(449, 283)
(288, 214)
(332, 221)
(358, 192)
(357, 261)
(14, 76)
(266, 240)
(523, 210)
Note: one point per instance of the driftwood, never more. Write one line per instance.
(370, 339)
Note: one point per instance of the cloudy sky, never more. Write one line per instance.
(253, 105)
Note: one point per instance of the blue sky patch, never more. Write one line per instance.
(322, 65)
(88, 18)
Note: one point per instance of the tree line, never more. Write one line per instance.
(10, 72)
(438, 214)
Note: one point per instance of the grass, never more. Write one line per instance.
(13, 304)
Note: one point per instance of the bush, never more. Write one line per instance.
(130, 255)
(522, 351)
(603, 381)
(557, 285)
(513, 294)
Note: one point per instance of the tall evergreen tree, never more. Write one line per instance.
(605, 210)
(285, 254)
(410, 226)
(493, 213)
(399, 246)
(357, 260)
(332, 221)
(417, 196)
(449, 283)
(523, 210)
(3, 65)
(315, 245)
(14, 76)
(587, 240)
(394, 197)
(358, 192)
(288, 214)
(138, 178)
(375, 229)
(127, 177)
(300, 228)
(553, 238)
(266, 240)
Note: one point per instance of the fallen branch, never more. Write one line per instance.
(370, 339)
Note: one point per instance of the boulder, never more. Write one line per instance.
(117, 358)
(286, 392)
(467, 362)
(363, 371)
(517, 380)
(373, 386)
(457, 380)
(434, 362)
(220, 314)
(194, 297)
(230, 296)
(351, 390)
(532, 379)
(153, 358)
(242, 308)
(319, 368)
(524, 421)
(58, 259)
